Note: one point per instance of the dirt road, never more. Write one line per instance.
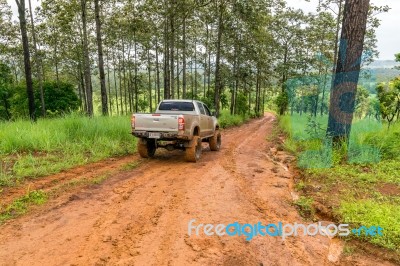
(140, 217)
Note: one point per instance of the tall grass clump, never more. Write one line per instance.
(51, 145)
(227, 120)
(387, 140)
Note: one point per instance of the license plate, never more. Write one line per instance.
(154, 135)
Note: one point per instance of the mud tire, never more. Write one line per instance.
(215, 141)
(193, 153)
(146, 149)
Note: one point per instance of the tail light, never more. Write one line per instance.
(181, 123)
(133, 122)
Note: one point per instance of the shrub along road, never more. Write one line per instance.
(140, 216)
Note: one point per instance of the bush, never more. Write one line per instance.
(59, 97)
(228, 120)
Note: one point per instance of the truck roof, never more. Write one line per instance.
(172, 100)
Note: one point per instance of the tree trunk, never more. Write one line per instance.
(149, 76)
(88, 79)
(172, 50)
(27, 59)
(129, 81)
(282, 108)
(178, 85)
(167, 94)
(110, 102)
(136, 78)
(82, 82)
(195, 69)
(103, 89)
(218, 81)
(126, 93)
(121, 98)
(205, 64)
(184, 80)
(38, 60)
(115, 83)
(158, 74)
(209, 63)
(343, 93)
(235, 76)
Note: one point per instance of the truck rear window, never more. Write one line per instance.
(176, 106)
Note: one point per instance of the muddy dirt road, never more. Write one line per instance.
(140, 217)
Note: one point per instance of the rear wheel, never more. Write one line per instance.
(215, 141)
(146, 149)
(193, 153)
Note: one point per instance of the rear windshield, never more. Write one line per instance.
(176, 106)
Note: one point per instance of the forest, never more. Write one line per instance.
(120, 57)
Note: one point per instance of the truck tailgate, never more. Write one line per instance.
(156, 122)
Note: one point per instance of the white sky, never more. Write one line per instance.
(387, 34)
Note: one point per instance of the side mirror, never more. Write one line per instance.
(213, 113)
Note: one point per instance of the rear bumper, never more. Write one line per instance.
(164, 135)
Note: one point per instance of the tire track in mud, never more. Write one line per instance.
(140, 217)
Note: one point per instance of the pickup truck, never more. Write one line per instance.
(177, 124)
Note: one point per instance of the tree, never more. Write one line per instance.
(220, 6)
(103, 89)
(397, 58)
(291, 49)
(87, 72)
(27, 59)
(389, 100)
(38, 61)
(343, 92)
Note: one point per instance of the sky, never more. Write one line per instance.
(387, 34)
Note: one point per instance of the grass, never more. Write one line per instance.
(227, 120)
(130, 166)
(360, 182)
(21, 205)
(32, 150)
(304, 205)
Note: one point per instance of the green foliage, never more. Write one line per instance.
(389, 99)
(241, 104)
(397, 58)
(60, 98)
(314, 128)
(374, 213)
(387, 141)
(209, 101)
(362, 103)
(282, 102)
(5, 91)
(227, 120)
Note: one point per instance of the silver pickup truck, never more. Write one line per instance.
(177, 124)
